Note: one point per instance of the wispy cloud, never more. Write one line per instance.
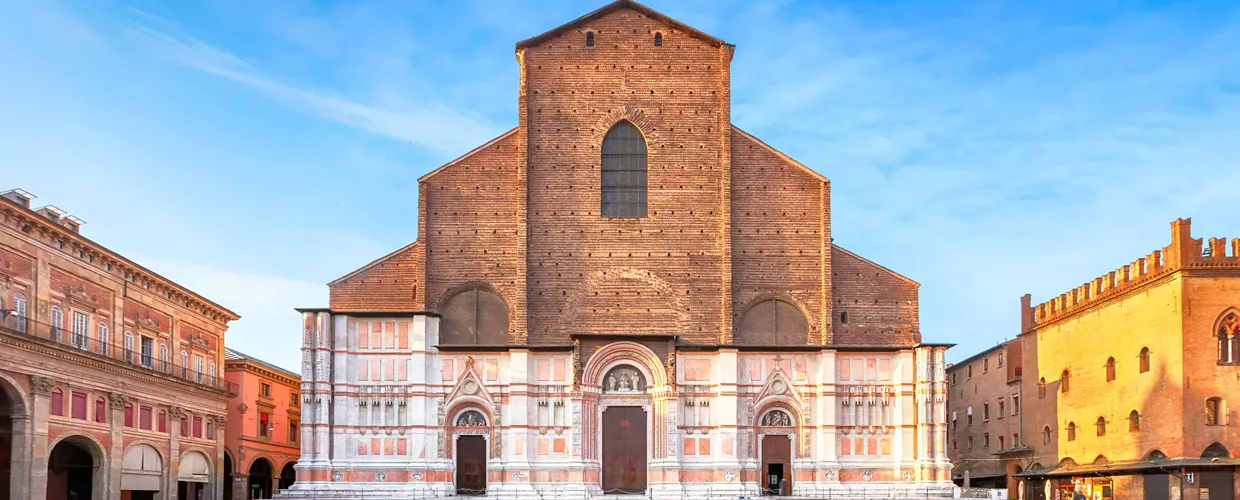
(433, 126)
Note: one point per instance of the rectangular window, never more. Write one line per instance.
(163, 421)
(198, 368)
(148, 351)
(1000, 442)
(292, 431)
(78, 407)
(1015, 404)
(101, 411)
(985, 411)
(970, 442)
(986, 440)
(264, 423)
(197, 427)
(184, 427)
(1000, 359)
(81, 330)
(294, 399)
(210, 430)
(986, 365)
(129, 416)
(264, 390)
(1016, 440)
(144, 418)
(1001, 407)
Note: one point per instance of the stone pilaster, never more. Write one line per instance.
(116, 427)
(40, 401)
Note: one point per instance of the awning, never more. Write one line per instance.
(194, 468)
(141, 469)
(1146, 466)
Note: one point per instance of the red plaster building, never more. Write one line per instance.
(111, 381)
(263, 427)
(625, 293)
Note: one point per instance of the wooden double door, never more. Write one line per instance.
(776, 465)
(624, 450)
(471, 465)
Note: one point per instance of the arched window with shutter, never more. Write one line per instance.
(19, 311)
(1101, 424)
(1144, 360)
(58, 323)
(1042, 388)
(623, 182)
(1134, 421)
(1063, 381)
(1228, 333)
(1110, 369)
(1071, 431)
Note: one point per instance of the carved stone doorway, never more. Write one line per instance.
(624, 450)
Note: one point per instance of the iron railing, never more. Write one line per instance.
(129, 354)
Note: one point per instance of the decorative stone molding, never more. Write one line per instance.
(40, 385)
(177, 413)
(243, 408)
(117, 400)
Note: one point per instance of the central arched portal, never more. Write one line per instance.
(777, 429)
(624, 404)
(469, 429)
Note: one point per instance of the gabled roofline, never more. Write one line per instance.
(467, 155)
(838, 248)
(781, 154)
(373, 263)
(621, 4)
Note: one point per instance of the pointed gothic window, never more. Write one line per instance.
(623, 192)
(1229, 339)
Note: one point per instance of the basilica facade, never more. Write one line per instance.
(625, 293)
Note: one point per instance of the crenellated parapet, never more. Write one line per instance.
(1184, 252)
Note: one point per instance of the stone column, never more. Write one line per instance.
(174, 451)
(116, 426)
(40, 452)
(23, 436)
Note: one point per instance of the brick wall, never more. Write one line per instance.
(388, 284)
(881, 306)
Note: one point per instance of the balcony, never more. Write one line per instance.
(24, 327)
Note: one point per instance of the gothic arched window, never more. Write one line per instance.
(773, 322)
(1063, 382)
(623, 192)
(1071, 431)
(1101, 424)
(1144, 359)
(474, 317)
(1110, 369)
(1134, 421)
(1042, 388)
(658, 39)
(1229, 339)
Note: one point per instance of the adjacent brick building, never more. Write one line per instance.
(984, 416)
(263, 430)
(1127, 383)
(624, 293)
(111, 380)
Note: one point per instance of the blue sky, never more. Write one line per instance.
(255, 150)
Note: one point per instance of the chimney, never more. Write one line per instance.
(50, 212)
(19, 197)
(72, 223)
(1026, 313)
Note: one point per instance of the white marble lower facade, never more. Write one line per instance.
(386, 414)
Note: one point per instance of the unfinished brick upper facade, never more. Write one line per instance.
(726, 303)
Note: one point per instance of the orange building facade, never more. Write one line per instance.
(1132, 380)
(625, 293)
(111, 376)
(261, 438)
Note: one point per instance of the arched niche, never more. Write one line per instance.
(772, 322)
(474, 316)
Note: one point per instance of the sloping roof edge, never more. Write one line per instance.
(875, 264)
(780, 154)
(230, 353)
(467, 155)
(373, 263)
(620, 4)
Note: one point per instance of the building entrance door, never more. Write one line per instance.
(1219, 484)
(471, 465)
(777, 465)
(624, 450)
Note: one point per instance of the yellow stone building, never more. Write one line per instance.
(1129, 378)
